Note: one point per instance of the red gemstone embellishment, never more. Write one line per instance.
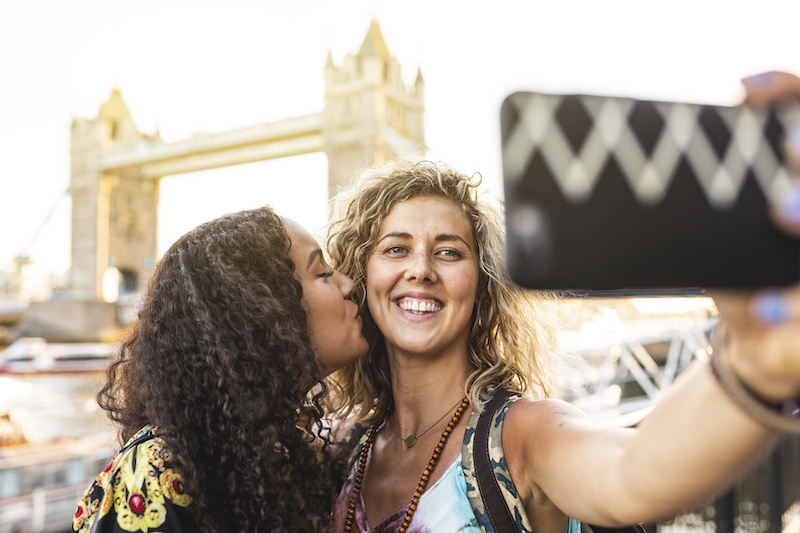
(79, 512)
(108, 467)
(137, 504)
(177, 486)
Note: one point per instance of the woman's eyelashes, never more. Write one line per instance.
(395, 250)
(447, 253)
(450, 253)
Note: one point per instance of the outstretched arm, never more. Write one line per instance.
(690, 447)
(702, 435)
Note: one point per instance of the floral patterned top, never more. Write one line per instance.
(140, 490)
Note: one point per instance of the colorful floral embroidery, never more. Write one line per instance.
(138, 491)
(172, 485)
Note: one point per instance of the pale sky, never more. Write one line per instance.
(211, 66)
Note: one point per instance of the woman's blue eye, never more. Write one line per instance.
(450, 252)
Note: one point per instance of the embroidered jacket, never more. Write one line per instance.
(140, 490)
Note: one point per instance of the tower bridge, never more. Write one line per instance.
(370, 114)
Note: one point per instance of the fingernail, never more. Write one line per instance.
(771, 308)
(793, 140)
(759, 80)
(789, 202)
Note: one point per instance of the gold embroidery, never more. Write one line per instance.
(136, 485)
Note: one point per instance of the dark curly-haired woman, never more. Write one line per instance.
(217, 388)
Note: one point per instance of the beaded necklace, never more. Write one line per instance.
(423, 480)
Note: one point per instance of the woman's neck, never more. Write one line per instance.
(423, 385)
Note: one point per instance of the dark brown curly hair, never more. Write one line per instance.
(221, 362)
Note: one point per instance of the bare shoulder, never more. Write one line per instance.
(532, 423)
(533, 432)
(531, 413)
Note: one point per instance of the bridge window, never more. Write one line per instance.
(118, 283)
(111, 279)
(129, 282)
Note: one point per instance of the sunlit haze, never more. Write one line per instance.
(187, 67)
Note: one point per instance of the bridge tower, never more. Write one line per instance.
(369, 115)
(114, 214)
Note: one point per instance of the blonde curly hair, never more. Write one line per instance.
(510, 333)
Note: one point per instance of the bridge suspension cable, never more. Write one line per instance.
(23, 255)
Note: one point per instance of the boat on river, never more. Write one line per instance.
(54, 438)
(34, 355)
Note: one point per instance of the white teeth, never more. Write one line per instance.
(419, 306)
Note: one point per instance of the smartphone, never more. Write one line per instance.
(612, 196)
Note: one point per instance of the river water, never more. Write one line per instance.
(50, 406)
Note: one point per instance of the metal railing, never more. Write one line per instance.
(619, 383)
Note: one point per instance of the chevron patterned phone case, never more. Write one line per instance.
(610, 195)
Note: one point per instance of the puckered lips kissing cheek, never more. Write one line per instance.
(418, 306)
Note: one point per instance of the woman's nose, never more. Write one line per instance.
(420, 268)
(346, 285)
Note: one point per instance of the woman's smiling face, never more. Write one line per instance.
(422, 277)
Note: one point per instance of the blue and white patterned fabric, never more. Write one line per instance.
(501, 472)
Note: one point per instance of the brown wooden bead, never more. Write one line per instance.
(423, 482)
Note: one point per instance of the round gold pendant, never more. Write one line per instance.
(410, 441)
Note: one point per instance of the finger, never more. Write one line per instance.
(759, 310)
(763, 339)
(733, 307)
(791, 146)
(776, 307)
(770, 87)
(785, 210)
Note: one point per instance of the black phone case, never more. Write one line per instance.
(611, 195)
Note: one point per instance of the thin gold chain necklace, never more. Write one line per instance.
(412, 439)
(423, 480)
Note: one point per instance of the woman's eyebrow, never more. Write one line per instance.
(447, 237)
(398, 234)
(439, 238)
(313, 256)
